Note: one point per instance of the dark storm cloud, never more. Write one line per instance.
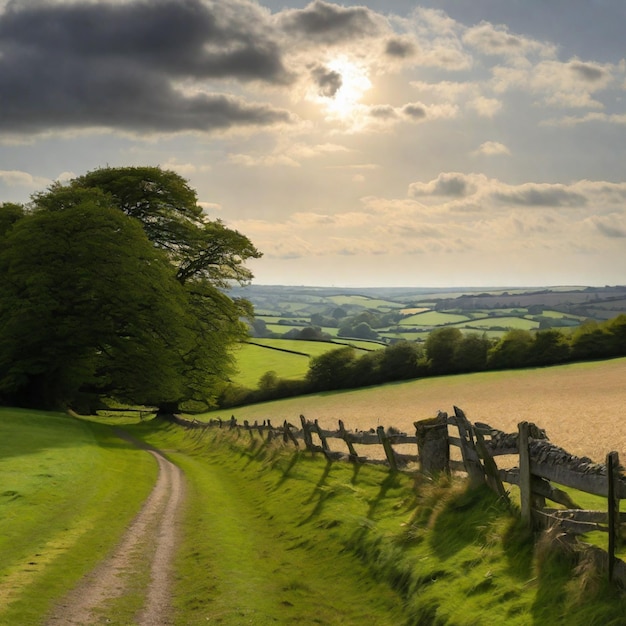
(115, 65)
(330, 23)
(328, 81)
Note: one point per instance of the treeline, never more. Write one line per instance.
(446, 351)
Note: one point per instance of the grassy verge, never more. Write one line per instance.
(68, 489)
(333, 543)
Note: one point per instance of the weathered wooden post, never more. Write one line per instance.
(433, 447)
(612, 469)
(471, 460)
(320, 434)
(287, 434)
(306, 433)
(388, 448)
(346, 437)
(525, 488)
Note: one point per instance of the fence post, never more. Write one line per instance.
(344, 435)
(306, 433)
(320, 434)
(387, 447)
(524, 474)
(287, 434)
(471, 460)
(612, 465)
(433, 448)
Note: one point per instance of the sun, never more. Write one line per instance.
(354, 83)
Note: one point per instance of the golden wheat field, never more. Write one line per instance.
(582, 406)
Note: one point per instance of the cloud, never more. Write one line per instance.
(611, 226)
(589, 72)
(485, 107)
(439, 38)
(385, 115)
(453, 184)
(137, 66)
(572, 120)
(16, 178)
(327, 80)
(400, 47)
(541, 194)
(290, 155)
(497, 40)
(185, 169)
(331, 24)
(415, 111)
(264, 160)
(570, 84)
(491, 148)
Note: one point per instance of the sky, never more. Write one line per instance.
(375, 143)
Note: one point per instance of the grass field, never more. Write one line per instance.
(438, 553)
(502, 322)
(264, 355)
(68, 490)
(306, 541)
(433, 318)
(582, 405)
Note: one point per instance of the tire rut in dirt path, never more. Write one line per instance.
(152, 535)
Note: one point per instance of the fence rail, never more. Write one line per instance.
(542, 469)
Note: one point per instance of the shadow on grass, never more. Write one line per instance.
(464, 520)
(518, 545)
(320, 494)
(286, 472)
(553, 576)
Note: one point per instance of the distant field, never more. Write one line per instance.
(433, 318)
(581, 405)
(503, 322)
(255, 360)
(364, 301)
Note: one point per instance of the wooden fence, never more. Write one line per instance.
(542, 468)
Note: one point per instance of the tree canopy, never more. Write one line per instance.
(114, 284)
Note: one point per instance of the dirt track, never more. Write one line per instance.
(151, 538)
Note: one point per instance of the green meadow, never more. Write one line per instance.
(289, 358)
(301, 539)
(68, 490)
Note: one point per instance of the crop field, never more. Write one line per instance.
(582, 406)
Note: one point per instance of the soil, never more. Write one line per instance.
(151, 538)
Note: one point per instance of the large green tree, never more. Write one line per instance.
(116, 283)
